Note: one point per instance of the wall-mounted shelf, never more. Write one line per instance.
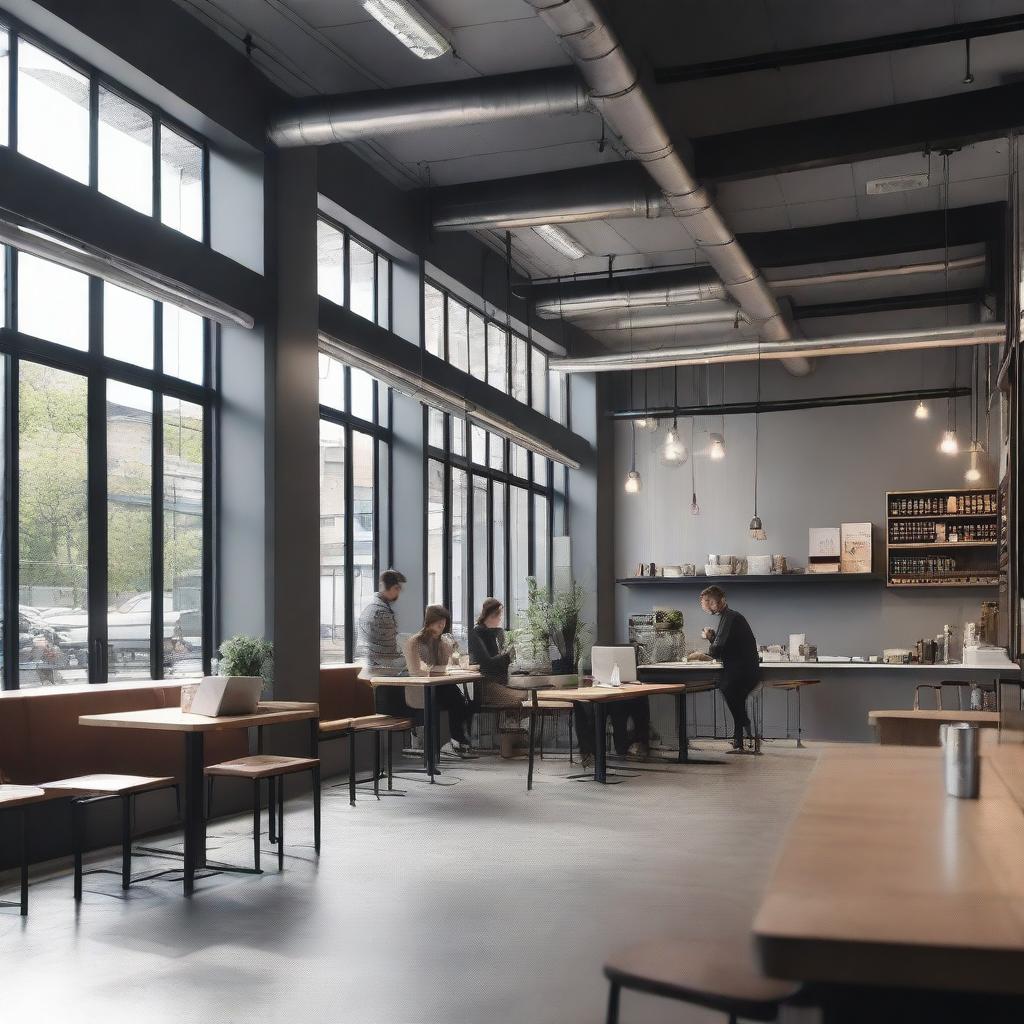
(784, 579)
(948, 544)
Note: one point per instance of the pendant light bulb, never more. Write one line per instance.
(673, 452)
(694, 507)
(757, 528)
(973, 474)
(948, 445)
(633, 482)
(921, 412)
(717, 447)
(648, 424)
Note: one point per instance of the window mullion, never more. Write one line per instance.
(96, 516)
(349, 506)
(10, 526)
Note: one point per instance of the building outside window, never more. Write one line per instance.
(352, 273)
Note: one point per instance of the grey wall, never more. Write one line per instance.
(817, 467)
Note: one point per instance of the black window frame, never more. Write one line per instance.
(379, 428)
(348, 237)
(97, 369)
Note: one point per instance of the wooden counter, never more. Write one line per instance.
(885, 880)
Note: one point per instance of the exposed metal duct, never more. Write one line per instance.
(76, 255)
(622, 189)
(748, 351)
(693, 314)
(421, 390)
(617, 93)
(874, 274)
(618, 294)
(320, 120)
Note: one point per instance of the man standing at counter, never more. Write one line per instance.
(732, 644)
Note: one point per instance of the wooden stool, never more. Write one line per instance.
(273, 768)
(717, 974)
(377, 724)
(789, 685)
(90, 789)
(17, 799)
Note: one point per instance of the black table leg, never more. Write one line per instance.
(529, 765)
(23, 816)
(681, 727)
(195, 826)
(429, 725)
(600, 742)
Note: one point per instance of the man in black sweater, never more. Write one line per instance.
(732, 644)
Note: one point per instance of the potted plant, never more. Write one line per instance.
(249, 656)
(553, 623)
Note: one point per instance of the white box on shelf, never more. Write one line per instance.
(856, 547)
(823, 549)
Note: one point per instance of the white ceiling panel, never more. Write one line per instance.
(662, 234)
(750, 194)
(890, 205)
(817, 184)
(601, 238)
(774, 218)
(827, 211)
(978, 190)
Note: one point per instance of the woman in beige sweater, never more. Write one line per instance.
(431, 648)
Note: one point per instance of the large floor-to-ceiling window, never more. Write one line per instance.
(354, 509)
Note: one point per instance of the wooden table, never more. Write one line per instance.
(601, 697)
(886, 881)
(193, 728)
(431, 725)
(19, 797)
(911, 728)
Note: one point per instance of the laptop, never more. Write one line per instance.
(219, 696)
(604, 659)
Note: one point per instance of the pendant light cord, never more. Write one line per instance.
(757, 421)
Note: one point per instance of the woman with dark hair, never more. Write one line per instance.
(489, 650)
(428, 649)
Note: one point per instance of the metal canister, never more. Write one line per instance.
(962, 757)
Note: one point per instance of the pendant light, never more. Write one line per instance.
(647, 423)
(694, 507)
(756, 526)
(921, 412)
(718, 440)
(673, 452)
(973, 473)
(633, 482)
(948, 445)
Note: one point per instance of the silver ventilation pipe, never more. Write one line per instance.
(876, 273)
(617, 94)
(748, 351)
(600, 192)
(321, 120)
(693, 314)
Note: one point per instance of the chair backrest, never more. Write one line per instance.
(604, 659)
(343, 694)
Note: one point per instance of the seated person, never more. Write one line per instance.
(378, 643)
(428, 649)
(488, 649)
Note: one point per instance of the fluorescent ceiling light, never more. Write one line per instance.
(561, 241)
(899, 183)
(410, 26)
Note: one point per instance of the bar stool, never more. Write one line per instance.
(714, 973)
(273, 768)
(789, 686)
(85, 790)
(16, 800)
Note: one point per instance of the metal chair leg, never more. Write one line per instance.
(376, 765)
(272, 809)
(799, 720)
(280, 823)
(256, 824)
(352, 769)
(126, 841)
(570, 738)
(613, 1004)
(209, 797)
(542, 720)
(390, 759)
(316, 809)
(529, 769)
(23, 899)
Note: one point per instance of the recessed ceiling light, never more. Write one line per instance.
(410, 26)
(561, 241)
(899, 183)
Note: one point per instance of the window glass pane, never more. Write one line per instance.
(478, 437)
(498, 562)
(130, 535)
(181, 183)
(53, 112)
(481, 521)
(361, 275)
(332, 543)
(539, 370)
(519, 548)
(559, 394)
(433, 320)
(53, 302)
(496, 458)
(125, 156)
(53, 626)
(127, 326)
(435, 428)
(3, 285)
(520, 368)
(183, 534)
(364, 529)
(497, 358)
(332, 382)
(541, 554)
(458, 335)
(330, 262)
(458, 429)
(361, 394)
(3, 545)
(383, 404)
(540, 469)
(520, 461)
(183, 343)
(477, 346)
(435, 532)
(460, 557)
(383, 291)
(5, 49)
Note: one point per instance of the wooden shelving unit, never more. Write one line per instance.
(928, 557)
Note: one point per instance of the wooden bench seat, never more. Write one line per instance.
(107, 785)
(364, 723)
(262, 766)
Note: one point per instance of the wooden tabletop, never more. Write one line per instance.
(627, 691)
(981, 718)
(885, 880)
(17, 796)
(438, 679)
(1005, 669)
(175, 720)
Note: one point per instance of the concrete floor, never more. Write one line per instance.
(466, 904)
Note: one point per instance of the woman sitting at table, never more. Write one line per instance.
(430, 649)
(488, 649)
